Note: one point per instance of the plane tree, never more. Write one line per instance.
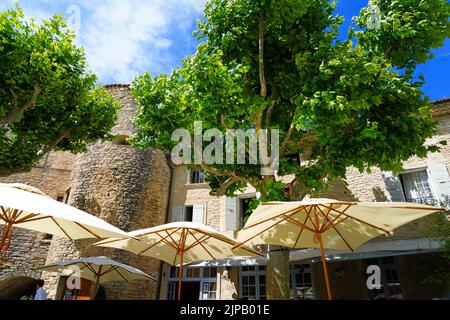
(48, 99)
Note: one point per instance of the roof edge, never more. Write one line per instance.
(116, 85)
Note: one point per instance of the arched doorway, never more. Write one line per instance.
(14, 288)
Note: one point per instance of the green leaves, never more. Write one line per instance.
(47, 99)
(371, 67)
(409, 30)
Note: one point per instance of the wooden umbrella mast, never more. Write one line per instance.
(181, 248)
(318, 236)
(97, 283)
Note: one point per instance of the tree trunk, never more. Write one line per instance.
(277, 274)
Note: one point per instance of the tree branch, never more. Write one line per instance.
(16, 114)
(214, 171)
(269, 114)
(225, 185)
(262, 78)
(222, 121)
(52, 144)
(287, 138)
(5, 171)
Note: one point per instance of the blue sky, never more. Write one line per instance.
(124, 38)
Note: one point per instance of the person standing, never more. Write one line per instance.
(40, 292)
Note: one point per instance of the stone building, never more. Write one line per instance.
(134, 189)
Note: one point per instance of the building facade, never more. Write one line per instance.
(134, 189)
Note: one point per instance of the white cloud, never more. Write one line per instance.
(125, 38)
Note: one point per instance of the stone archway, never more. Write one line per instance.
(16, 287)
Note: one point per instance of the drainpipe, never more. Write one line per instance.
(166, 220)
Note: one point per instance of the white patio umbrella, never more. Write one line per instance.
(98, 270)
(179, 243)
(26, 207)
(327, 224)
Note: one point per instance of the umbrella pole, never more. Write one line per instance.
(180, 275)
(97, 282)
(5, 233)
(324, 266)
(6, 237)
(181, 250)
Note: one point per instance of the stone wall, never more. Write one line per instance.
(185, 193)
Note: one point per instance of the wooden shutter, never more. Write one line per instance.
(198, 214)
(440, 179)
(231, 214)
(393, 187)
(177, 213)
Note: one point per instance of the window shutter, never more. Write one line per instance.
(198, 214)
(231, 214)
(177, 213)
(393, 187)
(440, 179)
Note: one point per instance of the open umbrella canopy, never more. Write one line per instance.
(180, 243)
(327, 224)
(101, 268)
(29, 208)
(341, 224)
(192, 241)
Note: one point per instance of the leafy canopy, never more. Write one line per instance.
(279, 64)
(48, 101)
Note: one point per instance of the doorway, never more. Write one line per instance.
(190, 290)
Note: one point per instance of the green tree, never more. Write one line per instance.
(279, 64)
(48, 101)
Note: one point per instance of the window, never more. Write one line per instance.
(188, 213)
(192, 273)
(197, 176)
(174, 272)
(210, 272)
(301, 283)
(209, 289)
(391, 284)
(248, 287)
(198, 283)
(253, 283)
(172, 291)
(416, 187)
